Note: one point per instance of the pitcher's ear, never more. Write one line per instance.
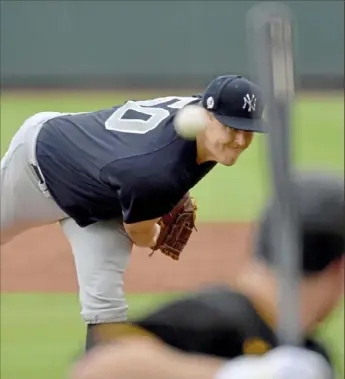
(209, 115)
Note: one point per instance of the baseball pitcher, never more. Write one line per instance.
(121, 176)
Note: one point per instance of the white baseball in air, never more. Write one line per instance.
(190, 120)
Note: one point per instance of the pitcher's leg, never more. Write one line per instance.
(23, 205)
(101, 253)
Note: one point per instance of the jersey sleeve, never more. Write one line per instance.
(141, 202)
(143, 195)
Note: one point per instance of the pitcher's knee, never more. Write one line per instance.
(96, 310)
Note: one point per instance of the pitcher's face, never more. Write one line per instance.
(224, 143)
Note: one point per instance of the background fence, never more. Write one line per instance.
(154, 43)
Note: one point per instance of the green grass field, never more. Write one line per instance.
(41, 333)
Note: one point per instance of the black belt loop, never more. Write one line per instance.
(37, 173)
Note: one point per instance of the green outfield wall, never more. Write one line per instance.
(155, 43)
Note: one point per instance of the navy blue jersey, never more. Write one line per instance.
(126, 161)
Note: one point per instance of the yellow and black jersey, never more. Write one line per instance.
(217, 321)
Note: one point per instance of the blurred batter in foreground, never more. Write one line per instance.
(228, 333)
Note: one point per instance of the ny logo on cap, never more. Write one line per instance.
(250, 102)
(210, 102)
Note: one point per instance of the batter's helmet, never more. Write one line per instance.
(319, 198)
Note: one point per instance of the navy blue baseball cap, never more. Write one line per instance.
(235, 102)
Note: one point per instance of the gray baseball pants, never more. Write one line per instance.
(101, 251)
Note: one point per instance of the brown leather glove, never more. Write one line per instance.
(176, 228)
